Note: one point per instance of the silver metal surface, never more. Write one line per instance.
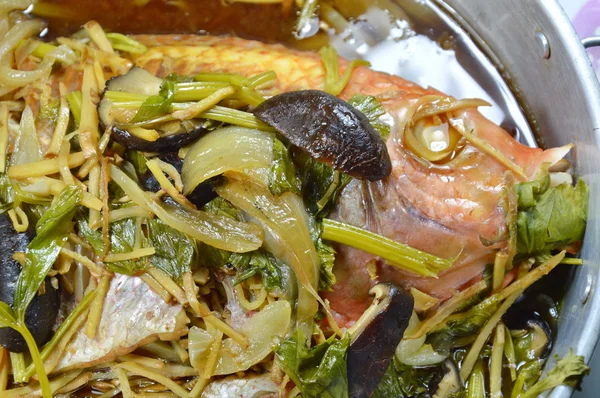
(590, 42)
(561, 97)
(543, 45)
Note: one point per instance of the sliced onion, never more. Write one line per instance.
(227, 149)
(217, 231)
(287, 237)
(27, 147)
(271, 322)
(199, 342)
(414, 352)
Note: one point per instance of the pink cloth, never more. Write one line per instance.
(587, 23)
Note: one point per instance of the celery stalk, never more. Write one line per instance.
(395, 253)
(261, 79)
(74, 99)
(232, 78)
(476, 385)
(234, 116)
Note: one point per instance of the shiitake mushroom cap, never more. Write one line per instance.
(330, 130)
(375, 337)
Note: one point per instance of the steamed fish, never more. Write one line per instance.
(451, 209)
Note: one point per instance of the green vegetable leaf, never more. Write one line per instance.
(42, 251)
(321, 185)
(567, 368)
(138, 160)
(246, 264)
(210, 256)
(282, 177)
(174, 250)
(157, 105)
(372, 109)
(221, 207)
(319, 371)
(7, 316)
(550, 218)
(326, 254)
(472, 320)
(402, 381)
(249, 264)
(122, 240)
(152, 107)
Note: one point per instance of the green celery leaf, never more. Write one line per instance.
(326, 254)
(283, 176)
(319, 371)
(471, 321)
(557, 218)
(42, 251)
(570, 367)
(138, 160)
(157, 105)
(264, 264)
(122, 239)
(221, 207)
(174, 250)
(403, 381)
(210, 256)
(152, 107)
(372, 109)
(321, 185)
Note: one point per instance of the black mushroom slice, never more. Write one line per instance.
(173, 134)
(41, 314)
(200, 196)
(450, 381)
(168, 143)
(330, 130)
(534, 316)
(375, 337)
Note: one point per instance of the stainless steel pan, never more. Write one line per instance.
(535, 47)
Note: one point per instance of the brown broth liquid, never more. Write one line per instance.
(266, 22)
